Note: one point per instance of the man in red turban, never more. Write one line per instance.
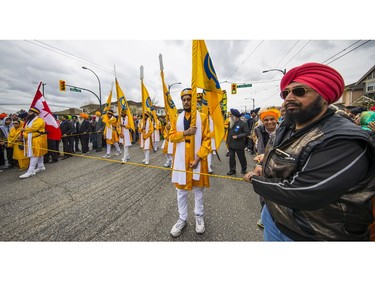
(318, 172)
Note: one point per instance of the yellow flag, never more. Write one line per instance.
(204, 77)
(107, 105)
(170, 107)
(122, 104)
(147, 105)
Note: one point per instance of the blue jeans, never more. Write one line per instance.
(271, 232)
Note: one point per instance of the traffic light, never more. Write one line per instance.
(234, 88)
(62, 85)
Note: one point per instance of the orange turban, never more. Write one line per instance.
(98, 113)
(323, 79)
(84, 115)
(270, 112)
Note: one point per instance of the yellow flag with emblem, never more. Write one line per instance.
(147, 105)
(122, 105)
(107, 105)
(169, 105)
(204, 77)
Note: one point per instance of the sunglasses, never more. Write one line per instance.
(298, 92)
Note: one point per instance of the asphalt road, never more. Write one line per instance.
(87, 198)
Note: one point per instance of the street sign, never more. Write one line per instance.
(244, 85)
(75, 90)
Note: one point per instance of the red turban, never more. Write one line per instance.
(322, 78)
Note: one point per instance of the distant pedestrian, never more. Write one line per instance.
(237, 133)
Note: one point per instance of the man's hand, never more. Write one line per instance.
(249, 175)
(195, 163)
(191, 131)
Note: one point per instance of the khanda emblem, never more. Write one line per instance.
(149, 104)
(210, 71)
(169, 100)
(123, 104)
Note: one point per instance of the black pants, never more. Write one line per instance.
(11, 161)
(241, 157)
(2, 157)
(76, 142)
(85, 142)
(52, 151)
(68, 143)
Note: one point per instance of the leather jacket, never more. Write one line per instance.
(305, 203)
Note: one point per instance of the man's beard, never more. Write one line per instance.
(30, 117)
(231, 122)
(187, 109)
(302, 116)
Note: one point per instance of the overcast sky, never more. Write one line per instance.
(24, 62)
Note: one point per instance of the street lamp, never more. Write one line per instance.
(100, 89)
(275, 69)
(253, 102)
(170, 86)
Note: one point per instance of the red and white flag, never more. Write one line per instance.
(52, 127)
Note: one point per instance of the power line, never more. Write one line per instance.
(287, 53)
(74, 57)
(349, 52)
(341, 51)
(245, 60)
(296, 54)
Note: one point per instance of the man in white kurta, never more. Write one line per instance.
(125, 136)
(147, 131)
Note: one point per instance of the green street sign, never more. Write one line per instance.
(244, 85)
(75, 90)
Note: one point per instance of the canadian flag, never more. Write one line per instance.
(52, 127)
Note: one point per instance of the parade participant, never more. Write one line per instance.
(99, 128)
(84, 132)
(76, 138)
(111, 134)
(156, 134)
(53, 146)
(5, 129)
(15, 139)
(226, 129)
(213, 145)
(147, 131)
(167, 146)
(182, 134)
(66, 128)
(237, 133)
(318, 174)
(35, 140)
(125, 136)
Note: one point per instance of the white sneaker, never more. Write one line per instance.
(167, 165)
(199, 224)
(106, 155)
(144, 160)
(123, 160)
(214, 152)
(177, 228)
(27, 175)
(39, 169)
(210, 171)
(117, 153)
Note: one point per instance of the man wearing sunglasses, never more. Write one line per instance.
(318, 172)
